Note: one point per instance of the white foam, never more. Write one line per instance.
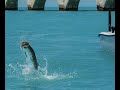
(26, 72)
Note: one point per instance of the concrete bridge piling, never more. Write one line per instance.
(68, 5)
(11, 4)
(104, 5)
(36, 4)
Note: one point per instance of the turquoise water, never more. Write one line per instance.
(67, 47)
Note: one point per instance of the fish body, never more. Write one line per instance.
(29, 53)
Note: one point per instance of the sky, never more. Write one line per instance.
(53, 3)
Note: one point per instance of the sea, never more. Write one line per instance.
(67, 48)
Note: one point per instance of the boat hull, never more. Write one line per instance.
(107, 41)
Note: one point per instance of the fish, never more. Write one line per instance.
(29, 53)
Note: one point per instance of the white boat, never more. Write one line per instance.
(107, 39)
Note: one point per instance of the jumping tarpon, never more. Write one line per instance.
(29, 52)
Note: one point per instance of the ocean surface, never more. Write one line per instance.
(67, 47)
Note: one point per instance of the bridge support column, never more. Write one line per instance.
(68, 5)
(11, 4)
(105, 5)
(36, 4)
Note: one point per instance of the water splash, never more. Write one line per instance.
(27, 72)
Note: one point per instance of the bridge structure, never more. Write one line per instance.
(64, 5)
(36, 4)
(105, 5)
(68, 5)
(11, 4)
